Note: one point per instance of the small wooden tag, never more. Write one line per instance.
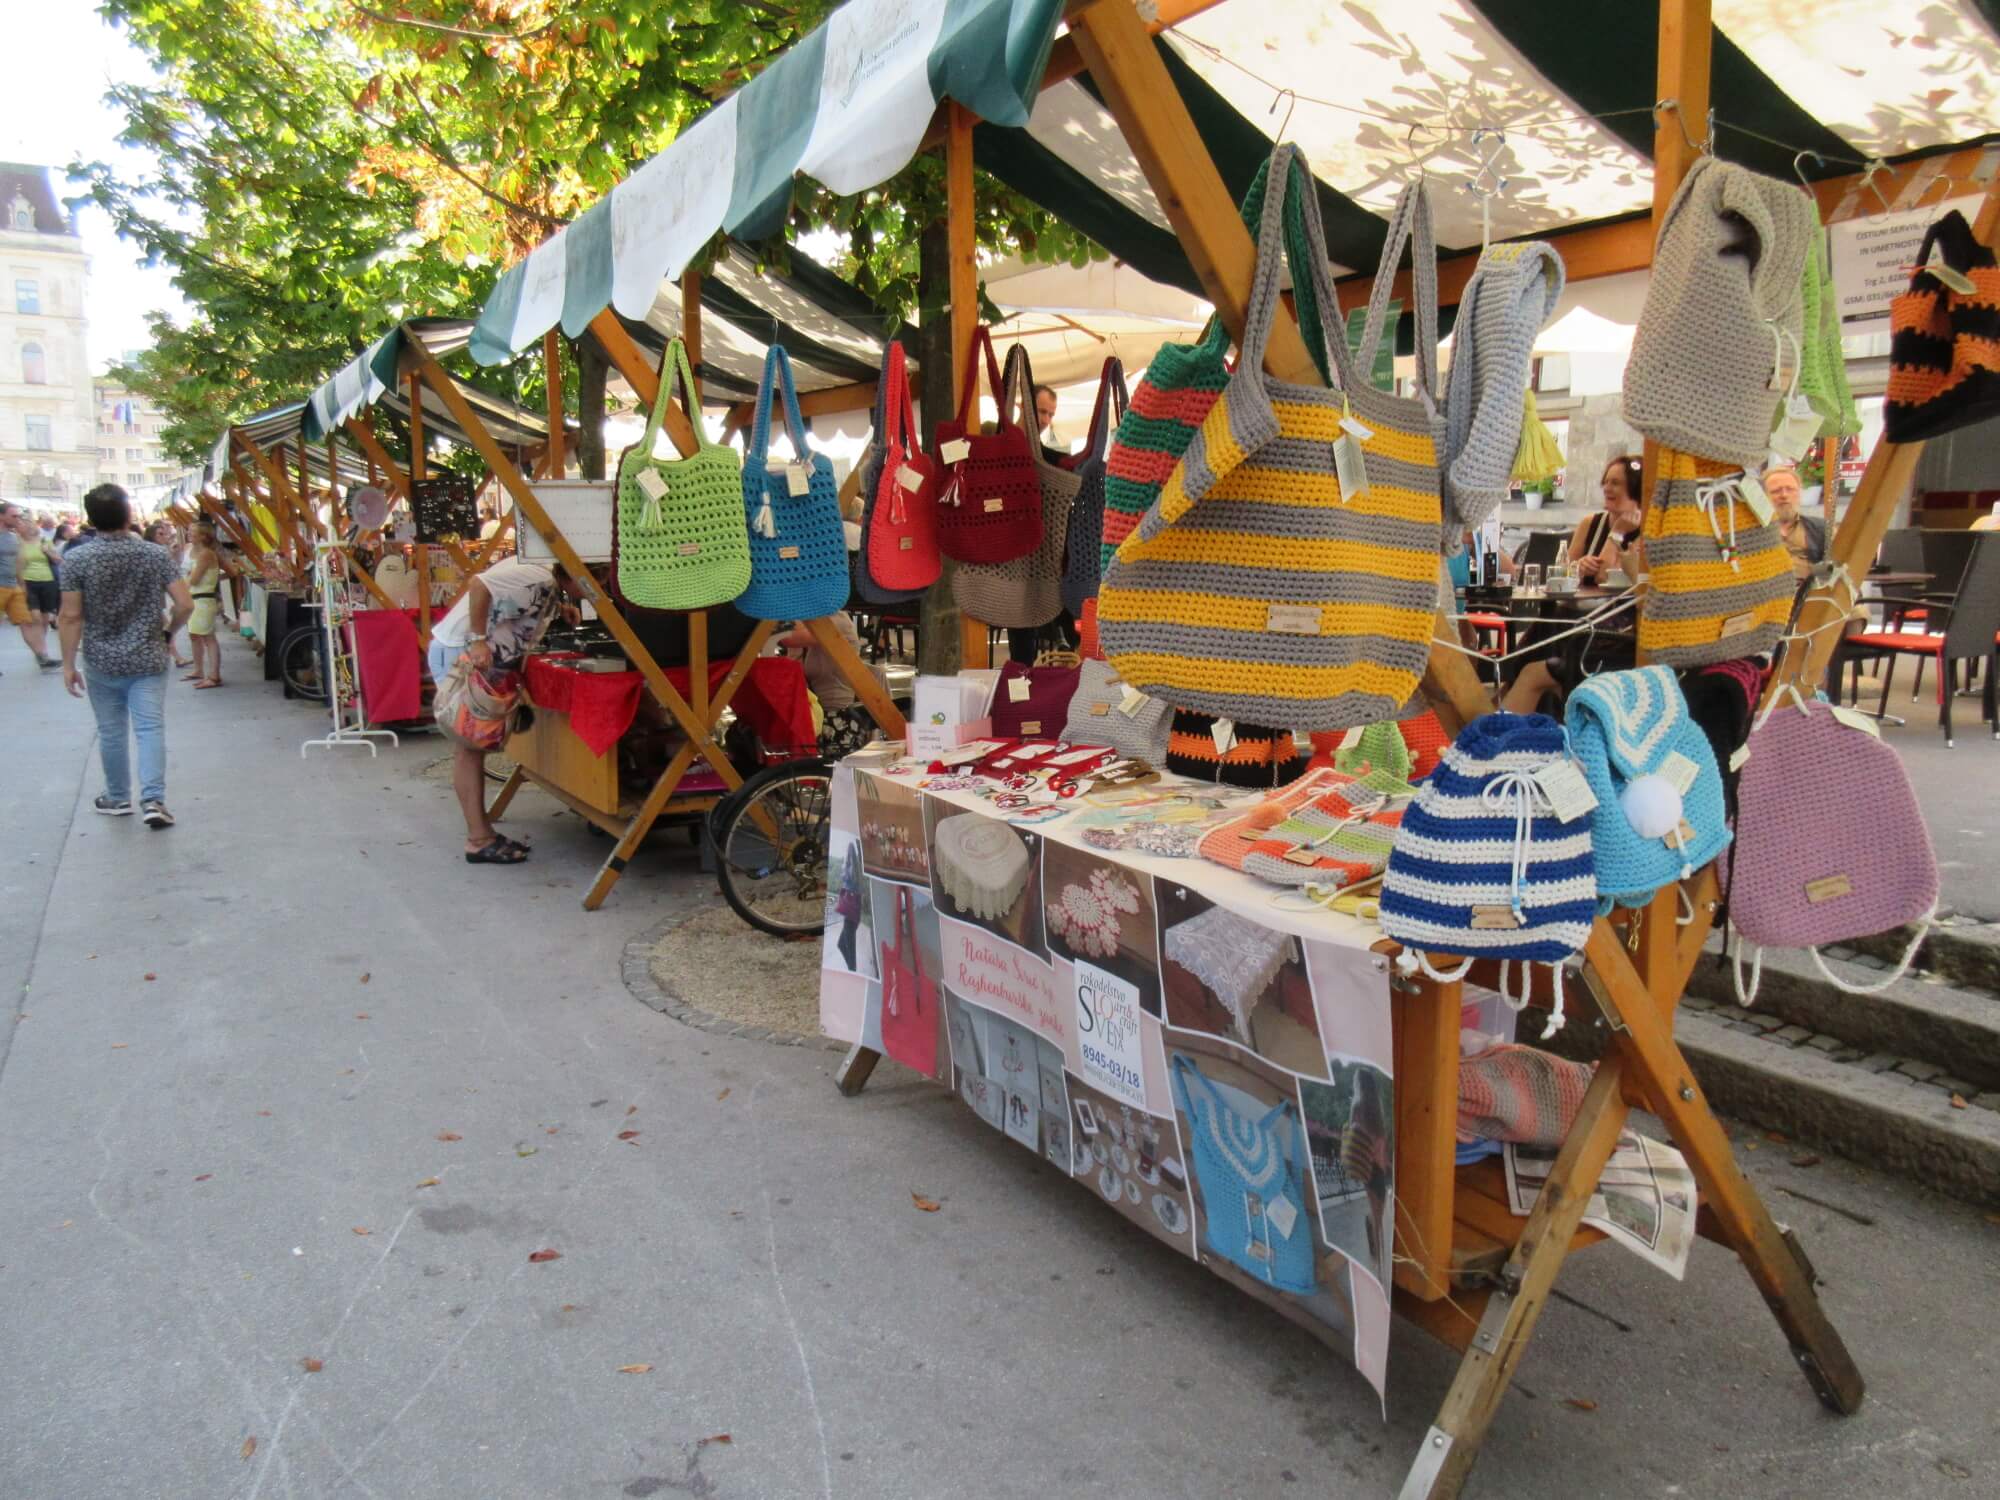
(996, 503)
(1737, 624)
(1303, 857)
(788, 553)
(1828, 888)
(1494, 919)
(1292, 619)
(689, 549)
(906, 543)
(1099, 710)
(1032, 726)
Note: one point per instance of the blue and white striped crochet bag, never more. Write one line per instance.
(1659, 814)
(1483, 867)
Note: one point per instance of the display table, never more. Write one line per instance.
(1173, 1035)
(602, 705)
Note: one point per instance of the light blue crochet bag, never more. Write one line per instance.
(1252, 1184)
(798, 546)
(1659, 815)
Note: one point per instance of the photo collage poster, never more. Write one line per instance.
(1225, 1085)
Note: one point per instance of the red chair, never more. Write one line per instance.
(1971, 633)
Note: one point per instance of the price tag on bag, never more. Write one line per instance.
(1678, 771)
(1131, 702)
(1223, 732)
(910, 479)
(1853, 718)
(797, 480)
(1739, 757)
(1350, 467)
(1751, 488)
(1570, 796)
(651, 485)
(1017, 690)
(1953, 278)
(1282, 1216)
(1796, 429)
(955, 451)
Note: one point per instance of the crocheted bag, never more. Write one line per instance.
(1103, 712)
(899, 549)
(1512, 294)
(1327, 829)
(1255, 588)
(1810, 865)
(1222, 751)
(1031, 702)
(680, 541)
(1658, 817)
(1083, 542)
(990, 508)
(1508, 1092)
(798, 543)
(1721, 582)
(909, 996)
(1723, 299)
(1482, 867)
(1252, 1183)
(1944, 345)
(1026, 590)
(1183, 381)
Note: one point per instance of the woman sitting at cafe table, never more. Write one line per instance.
(1607, 540)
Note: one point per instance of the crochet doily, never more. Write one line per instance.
(981, 864)
(1086, 915)
(1234, 956)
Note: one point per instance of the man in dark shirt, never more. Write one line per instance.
(112, 592)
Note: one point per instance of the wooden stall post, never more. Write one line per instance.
(418, 473)
(691, 322)
(974, 637)
(552, 456)
(381, 467)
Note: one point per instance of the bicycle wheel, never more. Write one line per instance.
(770, 848)
(300, 666)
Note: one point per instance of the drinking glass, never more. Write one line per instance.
(1531, 577)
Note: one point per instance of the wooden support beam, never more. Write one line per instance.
(962, 308)
(419, 464)
(631, 362)
(552, 455)
(857, 396)
(335, 510)
(691, 322)
(220, 513)
(1425, 1035)
(280, 491)
(362, 430)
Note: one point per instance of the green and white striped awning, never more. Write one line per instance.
(372, 378)
(848, 105)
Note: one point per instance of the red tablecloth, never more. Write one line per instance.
(602, 705)
(390, 660)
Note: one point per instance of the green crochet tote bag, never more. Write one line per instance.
(681, 539)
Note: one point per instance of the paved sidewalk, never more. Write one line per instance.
(187, 1160)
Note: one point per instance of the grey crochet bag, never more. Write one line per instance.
(1511, 296)
(1026, 590)
(1719, 335)
(1098, 716)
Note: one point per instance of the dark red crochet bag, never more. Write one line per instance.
(990, 506)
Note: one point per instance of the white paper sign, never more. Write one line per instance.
(1872, 256)
(1107, 1033)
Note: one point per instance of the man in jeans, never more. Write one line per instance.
(111, 596)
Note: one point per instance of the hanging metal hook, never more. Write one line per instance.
(1285, 124)
(1876, 166)
(1799, 168)
(1486, 183)
(1944, 179)
(1705, 146)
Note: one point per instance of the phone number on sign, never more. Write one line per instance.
(1111, 1067)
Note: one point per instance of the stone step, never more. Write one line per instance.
(1895, 1119)
(1918, 1017)
(1961, 951)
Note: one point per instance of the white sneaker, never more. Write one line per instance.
(157, 815)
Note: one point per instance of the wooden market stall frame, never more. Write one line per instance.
(697, 721)
(1467, 1269)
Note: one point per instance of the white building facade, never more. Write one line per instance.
(49, 447)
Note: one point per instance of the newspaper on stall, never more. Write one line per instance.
(1645, 1198)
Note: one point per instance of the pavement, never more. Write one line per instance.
(292, 1096)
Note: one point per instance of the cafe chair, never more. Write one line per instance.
(1971, 633)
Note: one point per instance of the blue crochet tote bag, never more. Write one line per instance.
(798, 546)
(1252, 1184)
(1659, 814)
(1483, 867)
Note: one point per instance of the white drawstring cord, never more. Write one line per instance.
(1523, 791)
(1723, 487)
(1556, 1016)
(1745, 998)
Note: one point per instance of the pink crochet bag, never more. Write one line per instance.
(1830, 842)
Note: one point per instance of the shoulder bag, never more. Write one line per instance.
(909, 995)
(1082, 565)
(1032, 702)
(899, 484)
(990, 509)
(1257, 587)
(798, 545)
(1105, 712)
(1944, 340)
(681, 542)
(1026, 590)
(1719, 583)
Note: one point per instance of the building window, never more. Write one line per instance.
(135, 455)
(27, 296)
(107, 453)
(34, 365)
(41, 439)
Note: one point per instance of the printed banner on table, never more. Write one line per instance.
(1224, 1083)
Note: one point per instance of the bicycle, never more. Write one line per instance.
(770, 838)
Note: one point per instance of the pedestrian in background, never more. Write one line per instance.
(15, 530)
(112, 593)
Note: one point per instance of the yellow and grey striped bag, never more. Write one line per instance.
(1719, 584)
(1253, 589)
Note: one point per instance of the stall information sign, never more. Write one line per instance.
(1872, 256)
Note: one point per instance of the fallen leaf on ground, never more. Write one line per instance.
(264, 1114)
(550, 1129)
(723, 1095)
(928, 1205)
(1808, 1160)
(366, 977)
(1778, 1137)
(249, 1445)
(362, 1229)
(428, 1182)
(121, 1046)
(537, 1257)
(312, 1366)
(450, 1135)
(204, 1177)
(1579, 1403)
(628, 1135)
(152, 976)
(361, 1015)
(635, 1369)
(344, 1072)
(526, 1150)
(720, 1437)
(1958, 1101)
(633, 1110)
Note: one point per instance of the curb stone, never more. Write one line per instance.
(636, 968)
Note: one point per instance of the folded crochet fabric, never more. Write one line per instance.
(1251, 756)
(1481, 865)
(1722, 315)
(1512, 294)
(1659, 811)
(1326, 829)
(1520, 1094)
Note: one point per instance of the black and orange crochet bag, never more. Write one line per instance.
(1944, 340)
